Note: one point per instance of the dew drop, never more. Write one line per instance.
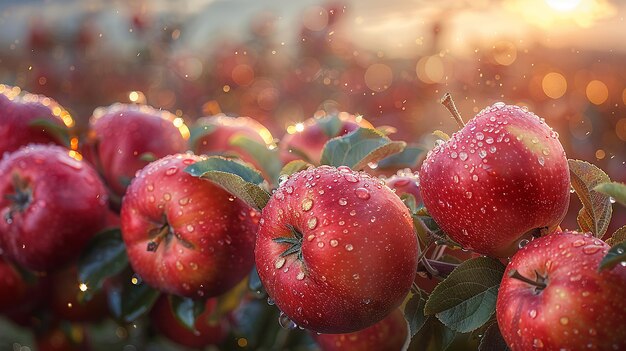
(355, 276)
(289, 190)
(343, 201)
(462, 155)
(489, 140)
(482, 153)
(538, 343)
(320, 244)
(362, 193)
(167, 196)
(310, 237)
(453, 155)
(307, 204)
(270, 301)
(350, 178)
(300, 276)
(171, 171)
(532, 313)
(578, 243)
(475, 177)
(541, 161)
(480, 136)
(280, 262)
(285, 322)
(353, 213)
(312, 223)
(189, 228)
(591, 249)
(468, 194)
(564, 320)
(456, 178)
(492, 149)
(334, 243)
(349, 247)
(179, 266)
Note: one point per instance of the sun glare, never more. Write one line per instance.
(563, 5)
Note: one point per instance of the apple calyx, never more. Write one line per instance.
(294, 242)
(539, 283)
(164, 232)
(20, 199)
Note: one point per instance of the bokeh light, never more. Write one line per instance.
(554, 85)
(597, 92)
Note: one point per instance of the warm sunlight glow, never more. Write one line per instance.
(563, 5)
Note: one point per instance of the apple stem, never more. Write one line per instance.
(449, 104)
(154, 243)
(436, 268)
(539, 283)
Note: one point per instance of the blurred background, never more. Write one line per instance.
(280, 61)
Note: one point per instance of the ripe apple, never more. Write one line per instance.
(223, 130)
(553, 297)
(336, 249)
(124, 138)
(501, 179)
(390, 334)
(185, 235)
(18, 109)
(208, 332)
(306, 141)
(51, 204)
(405, 182)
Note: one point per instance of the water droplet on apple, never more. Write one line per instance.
(289, 189)
(350, 178)
(522, 243)
(300, 276)
(179, 266)
(489, 140)
(320, 244)
(462, 155)
(280, 262)
(279, 195)
(171, 171)
(564, 320)
(312, 223)
(541, 161)
(285, 322)
(362, 193)
(468, 194)
(270, 301)
(532, 313)
(591, 249)
(307, 204)
(578, 243)
(482, 153)
(349, 247)
(475, 177)
(480, 136)
(453, 155)
(343, 201)
(537, 343)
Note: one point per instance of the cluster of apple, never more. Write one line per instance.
(142, 216)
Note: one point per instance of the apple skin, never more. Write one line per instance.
(218, 141)
(359, 252)
(120, 134)
(18, 109)
(308, 144)
(579, 308)
(501, 179)
(405, 182)
(390, 334)
(208, 332)
(66, 206)
(206, 245)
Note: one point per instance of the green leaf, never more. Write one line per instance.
(331, 125)
(596, 212)
(408, 158)
(615, 190)
(104, 256)
(57, 130)
(432, 336)
(267, 159)
(414, 312)
(409, 201)
(186, 310)
(618, 237)
(198, 133)
(616, 254)
(148, 157)
(492, 340)
(358, 148)
(136, 300)
(238, 179)
(294, 167)
(466, 299)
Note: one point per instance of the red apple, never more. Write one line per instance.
(123, 138)
(306, 140)
(390, 334)
(501, 179)
(51, 204)
(18, 109)
(553, 297)
(185, 235)
(405, 182)
(336, 249)
(223, 130)
(208, 332)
